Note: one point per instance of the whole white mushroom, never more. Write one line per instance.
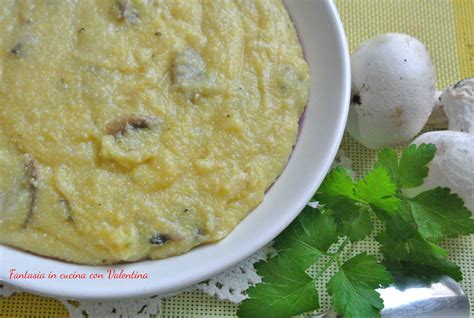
(452, 166)
(393, 90)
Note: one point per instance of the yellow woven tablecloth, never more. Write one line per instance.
(445, 26)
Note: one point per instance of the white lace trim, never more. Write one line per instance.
(231, 284)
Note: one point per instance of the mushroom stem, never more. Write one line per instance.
(33, 175)
(67, 209)
(454, 108)
(438, 117)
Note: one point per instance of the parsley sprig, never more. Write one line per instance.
(414, 226)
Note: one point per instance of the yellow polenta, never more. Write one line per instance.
(140, 129)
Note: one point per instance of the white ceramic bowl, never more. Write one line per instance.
(324, 43)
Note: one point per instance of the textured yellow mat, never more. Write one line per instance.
(445, 26)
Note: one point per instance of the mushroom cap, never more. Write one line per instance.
(458, 101)
(393, 88)
(452, 166)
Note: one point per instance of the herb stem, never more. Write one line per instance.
(334, 257)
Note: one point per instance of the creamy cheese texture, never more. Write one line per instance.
(140, 129)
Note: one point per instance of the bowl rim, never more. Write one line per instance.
(47, 289)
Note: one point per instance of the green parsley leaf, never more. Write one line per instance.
(285, 291)
(338, 183)
(413, 164)
(402, 244)
(353, 288)
(308, 237)
(412, 168)
(378, 190)
(358, 225)
(440, 214)
(352, 220)
(388, 159)
(405, 211)
(338, 194)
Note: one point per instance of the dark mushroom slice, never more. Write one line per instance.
(16, 50)
(24, 19)
(67, 209)
(160, 238)
(131, 139)
(127, 12)
(201, 234)
(25, 41)
(122, 124)
(32, 167)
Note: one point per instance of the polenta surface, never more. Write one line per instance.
(140, 129)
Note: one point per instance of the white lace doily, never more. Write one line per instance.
(228, 285)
